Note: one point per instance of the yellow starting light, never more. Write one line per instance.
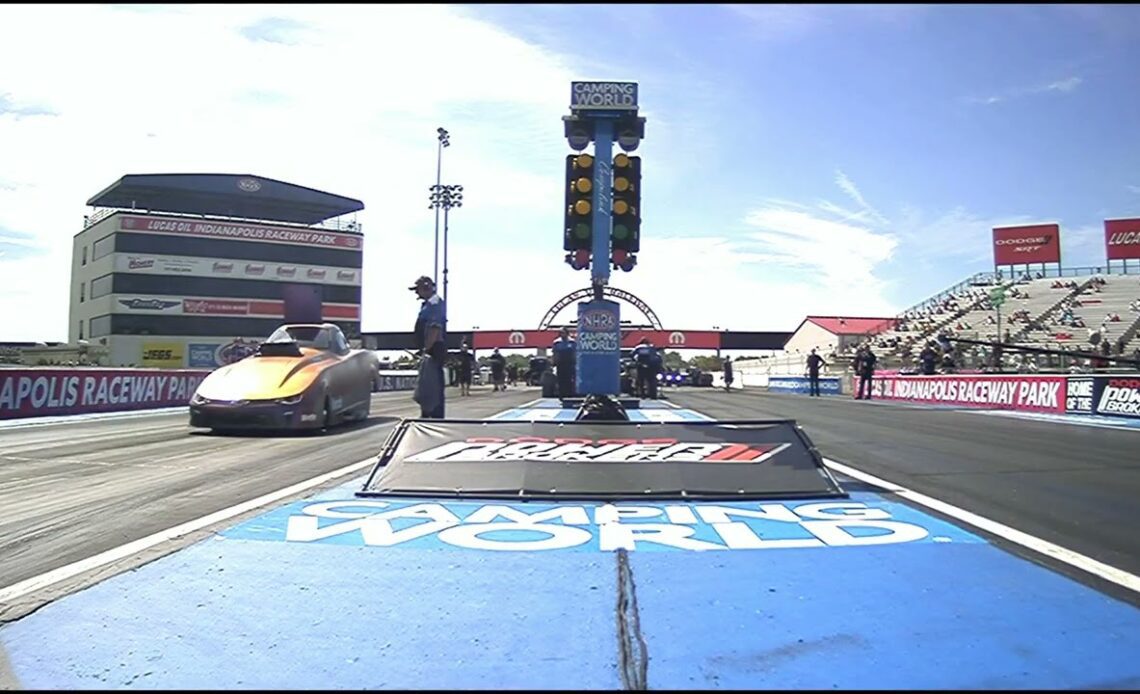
(584, 161)
(621, 184)
(582, 207)
(621, 207)
(583, 185)
(621, 161)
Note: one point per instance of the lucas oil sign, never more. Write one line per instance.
(598, 527)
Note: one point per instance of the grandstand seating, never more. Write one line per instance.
(1038, 312)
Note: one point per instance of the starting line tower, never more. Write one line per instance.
(602, 224)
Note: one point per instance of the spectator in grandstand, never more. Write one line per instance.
(814, 361)
(466, 368)
(498, 370)
(564, 362)
(430, 335)
(927, 358)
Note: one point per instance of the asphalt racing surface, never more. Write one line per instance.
(1073, 485)
(328, 589)
(71, 490)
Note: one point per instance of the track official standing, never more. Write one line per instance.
(814, 361)
(431, 336)
(564, 349)
(727, 373)
(865, 361)
(647, 359)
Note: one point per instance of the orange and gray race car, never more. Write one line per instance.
(302, 377)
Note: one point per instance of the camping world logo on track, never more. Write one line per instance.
(569, 450)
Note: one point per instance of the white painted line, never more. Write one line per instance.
(1079, 420)
(1049, 549)
(88, 417)
(30, 585)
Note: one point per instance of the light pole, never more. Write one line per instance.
(446, 198)
(444, 141)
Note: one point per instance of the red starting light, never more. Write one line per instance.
(622, 259)
(579, 259)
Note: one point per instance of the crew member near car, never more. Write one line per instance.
(647, 360)
(564, 353)
(431, 336)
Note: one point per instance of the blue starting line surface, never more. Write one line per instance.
(340, 592)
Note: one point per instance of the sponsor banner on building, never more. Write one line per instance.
(1118, 397)
(241, 232)
(666, 339)
(169, 355)
(49, 392)
(802, 384)
(136, 263)
(1026, 393)
(1020, 245)
(1122, 239)
(259, 308)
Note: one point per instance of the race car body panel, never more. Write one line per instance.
(302, 377)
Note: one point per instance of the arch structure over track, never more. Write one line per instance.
(607, 291)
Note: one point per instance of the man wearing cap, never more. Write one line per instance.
(431, 336)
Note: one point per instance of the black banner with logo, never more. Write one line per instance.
(741, 460)
(1117, 396)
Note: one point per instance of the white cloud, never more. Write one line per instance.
(351, 107)
(1064, 86)
(1134, 189)
(849, 187)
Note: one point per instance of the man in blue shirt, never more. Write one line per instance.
(648, 362)
(431, 340)
(563, 352)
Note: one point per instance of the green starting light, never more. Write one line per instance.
(582, 231)
(620, 231)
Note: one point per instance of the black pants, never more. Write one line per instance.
(864, 380)
(565, 382)
(436, 413)
(646, 382)
(813, 382)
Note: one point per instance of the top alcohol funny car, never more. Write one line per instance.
(302, 377)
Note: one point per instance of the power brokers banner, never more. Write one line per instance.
(47, 392)
(1024, 393)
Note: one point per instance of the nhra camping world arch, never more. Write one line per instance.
(588, 293)
(544, 335)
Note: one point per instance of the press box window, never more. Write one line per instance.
(102, 247)
(100, 286)
(100, 326)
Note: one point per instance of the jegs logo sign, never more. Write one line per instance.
(480, 450)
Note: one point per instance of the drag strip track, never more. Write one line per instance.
(72, 490)
(1072, 485)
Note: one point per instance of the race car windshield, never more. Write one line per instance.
(304, 336)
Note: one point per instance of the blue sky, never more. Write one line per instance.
(798, 159)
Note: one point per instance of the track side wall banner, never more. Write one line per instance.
(802, 384)
(1024, 393)
(49, 392)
